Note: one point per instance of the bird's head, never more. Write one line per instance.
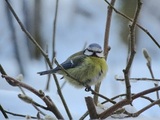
(94, 49)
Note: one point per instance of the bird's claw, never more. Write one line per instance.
(88, 88)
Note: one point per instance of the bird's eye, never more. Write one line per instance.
(90, 50)
(100, 51)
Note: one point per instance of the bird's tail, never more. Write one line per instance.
(47, 72)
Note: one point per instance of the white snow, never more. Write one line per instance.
(74, 29)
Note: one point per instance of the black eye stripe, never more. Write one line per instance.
(94, 51)
(90, 50)
(98, 51)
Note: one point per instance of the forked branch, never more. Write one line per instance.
(50, 105)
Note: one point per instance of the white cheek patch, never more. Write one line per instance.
(100, 54)
(89, 53)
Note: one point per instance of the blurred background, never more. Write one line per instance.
(79, 23)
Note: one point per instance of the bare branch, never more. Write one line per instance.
(3, 112)
(53, 41)
(2, 70)
(146, 108)
(41, 50)
(148, 58)
(110, 110)
(140, 79)
(143, 29)
(54, 31)
(63, 100)
(56, 62)
(121, 95)
(91, 108)
(19, 115)
(132, 52)
(106, 42)
(102, 96)
(124, 102)
(84, 115)
(39, 111)
(27, 99)
(50, 105)
(107, 29)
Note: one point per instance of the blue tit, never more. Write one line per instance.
(87, 67)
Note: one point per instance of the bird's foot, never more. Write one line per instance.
(88, 88)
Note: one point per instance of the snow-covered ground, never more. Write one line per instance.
(73, 30)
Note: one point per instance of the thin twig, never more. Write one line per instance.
(124, 102)
(106, 42)
(29, 100)
(132, 52)
(21, 90)
(39, 111)
(142, 28)
(140, 79)
(19, 115)
(49, 76)
(63, 100)
(25, 98)
(2, 70)
(53, 41)
(84, 115)
(3, 112)
(50, 105)
(39, 105)
(146, 108)
(136, 114)
(152, 75)
(56, 62)
(102, 96)
(107, 29)
(39, 47)
(149, 65)
(121, 95)
(54, 31)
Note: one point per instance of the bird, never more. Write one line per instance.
(85, 68)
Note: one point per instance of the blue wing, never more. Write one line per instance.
(69, 63)
(66, 65)
(73, 61)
